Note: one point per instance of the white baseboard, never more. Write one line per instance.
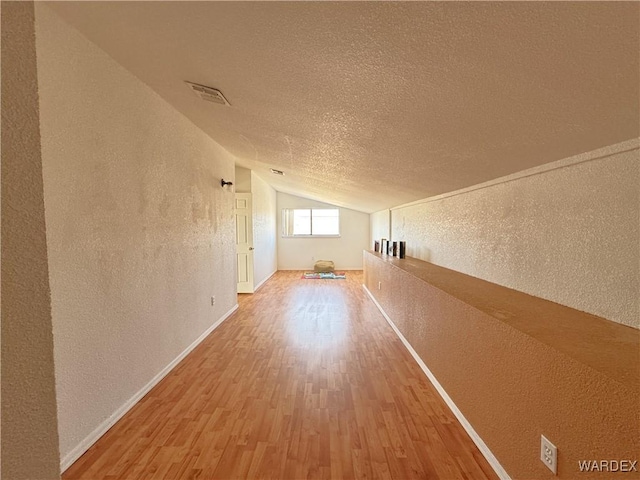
(264, 281)
(101, 429)
(493, 461)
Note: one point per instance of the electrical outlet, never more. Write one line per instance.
(313, 259)
(213, 301)
(549, 454)
(379, 285)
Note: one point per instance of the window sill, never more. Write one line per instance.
(311, 236)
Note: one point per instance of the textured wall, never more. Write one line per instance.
(140, 233)
(345, 251)
(380, 226)
(569, 235)
(243, 180)
(265, 260)
(29, 424)
(518, 367)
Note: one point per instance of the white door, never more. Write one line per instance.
(244, 243)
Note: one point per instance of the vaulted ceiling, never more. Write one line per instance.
(373, 104)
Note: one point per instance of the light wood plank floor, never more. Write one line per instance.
(306, 380)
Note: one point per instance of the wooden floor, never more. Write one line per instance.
(305, 380)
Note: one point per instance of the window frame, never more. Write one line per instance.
(311, 235)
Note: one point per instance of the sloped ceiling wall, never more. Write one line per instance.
(369, 105)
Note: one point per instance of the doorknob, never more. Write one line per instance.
(250, 248)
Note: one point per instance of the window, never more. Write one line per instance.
(305, 222)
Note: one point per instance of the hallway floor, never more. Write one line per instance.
(305, 380)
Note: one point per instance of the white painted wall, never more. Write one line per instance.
(29, 421)
(265, 260)
(567, 232)
(140, 234)
(345, 251)
(243, 180)
(380, 226)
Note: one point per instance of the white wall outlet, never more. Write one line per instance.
(549, 454)
(379, 285)
(213, 301)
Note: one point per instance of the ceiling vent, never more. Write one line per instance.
(209, 94)
(277, 172)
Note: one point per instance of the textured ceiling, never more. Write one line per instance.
(371, 105)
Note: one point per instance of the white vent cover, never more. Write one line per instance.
(209, 94)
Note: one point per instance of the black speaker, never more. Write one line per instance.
(402, 250)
